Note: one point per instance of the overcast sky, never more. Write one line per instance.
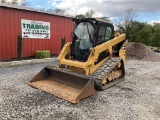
(147, 10)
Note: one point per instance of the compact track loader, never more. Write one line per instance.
(93, 60)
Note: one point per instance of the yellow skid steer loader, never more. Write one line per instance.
(93, 60)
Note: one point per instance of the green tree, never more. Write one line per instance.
(155, 38)
(144, 35)
(135, 27)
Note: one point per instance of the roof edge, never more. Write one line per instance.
(31, 9)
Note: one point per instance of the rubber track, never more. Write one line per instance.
(103, 71)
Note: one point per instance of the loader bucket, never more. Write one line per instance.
(64, 84)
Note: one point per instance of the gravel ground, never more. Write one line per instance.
(137, 97)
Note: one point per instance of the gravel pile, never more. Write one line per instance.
(136, 98)
(140, 51)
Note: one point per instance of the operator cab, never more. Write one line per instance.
(87, 34)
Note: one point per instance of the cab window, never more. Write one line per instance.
(108, 33)
(105, 33)
(101, 36)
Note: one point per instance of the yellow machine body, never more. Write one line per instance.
(89, 66)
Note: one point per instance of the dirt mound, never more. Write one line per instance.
(141, 52)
